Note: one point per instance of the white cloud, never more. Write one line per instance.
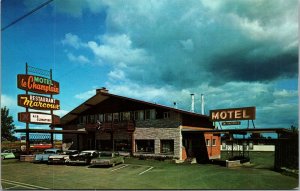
(72, 40)
(80, 59)
(85, 95)
(117, 50)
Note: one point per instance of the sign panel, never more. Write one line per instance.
(231, 123)
(245, 113)
(38, 118)
(38, 102)
(37, 84)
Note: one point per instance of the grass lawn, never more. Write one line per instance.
(145, 174)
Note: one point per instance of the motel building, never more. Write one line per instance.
(113, 122)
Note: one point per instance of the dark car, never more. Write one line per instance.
(107, 158)
(84, 157)
(61, 158)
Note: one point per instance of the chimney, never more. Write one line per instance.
(102, 90)
(193, 103)
(202, 104)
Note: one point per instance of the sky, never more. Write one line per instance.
(237, 53)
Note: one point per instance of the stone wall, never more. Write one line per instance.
(158, 134)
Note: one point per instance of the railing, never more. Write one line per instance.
(111, 126)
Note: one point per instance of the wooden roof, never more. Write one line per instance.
(103, 96)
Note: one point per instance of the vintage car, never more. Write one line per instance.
(62, 158)
(8, 154)
(45, 155)
(84, 157)
(107, 158)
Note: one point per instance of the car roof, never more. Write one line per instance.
(52, 149)
(89, 151)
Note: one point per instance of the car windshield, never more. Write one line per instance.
(49, 152)
(70, 152)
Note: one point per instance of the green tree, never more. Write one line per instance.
(7, 126)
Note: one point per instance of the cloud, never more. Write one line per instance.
(117, 50)
(72, 40)
(80, 59)
(235, 52)
(216, 42)
(85, 95)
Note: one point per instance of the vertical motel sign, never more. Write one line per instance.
(41, 85)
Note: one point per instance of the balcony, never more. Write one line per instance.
(111, 126)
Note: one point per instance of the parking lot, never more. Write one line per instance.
(140, 174)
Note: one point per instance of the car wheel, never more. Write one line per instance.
(2, 157)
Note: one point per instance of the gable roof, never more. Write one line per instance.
(102, 96)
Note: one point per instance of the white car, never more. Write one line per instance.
(62, 158)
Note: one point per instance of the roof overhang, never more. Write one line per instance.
(237, 131)
(83, 107)
(51, 131)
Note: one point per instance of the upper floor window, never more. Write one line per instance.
(116, 116)
(166, 115)
(207, 142)
(125, 116)
(92, 119)
(139, 115)
(108, 117)
(150, 114)
(214, 142)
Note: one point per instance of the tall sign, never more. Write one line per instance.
(40, 85)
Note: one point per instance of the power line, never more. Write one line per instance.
(29, 13)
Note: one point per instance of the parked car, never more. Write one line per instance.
(84, 157)
(108, 158)
(44, 157)
(8, 154)
(61, 158)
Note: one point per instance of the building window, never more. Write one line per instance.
(166, 115)
(147, 114)
(207, 142)
(84, 119)
(123, 145)
(92, 118)
(146, 146)
(139, 115)
(116, 116)
(125, 116)
(101, 118)
(167, 146)
(214, 142)
(108, 117)
(150, 114)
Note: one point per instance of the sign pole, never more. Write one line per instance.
(51, 111)
(27, 124)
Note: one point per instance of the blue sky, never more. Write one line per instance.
(236, 53)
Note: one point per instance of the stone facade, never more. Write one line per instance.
(158, 134)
